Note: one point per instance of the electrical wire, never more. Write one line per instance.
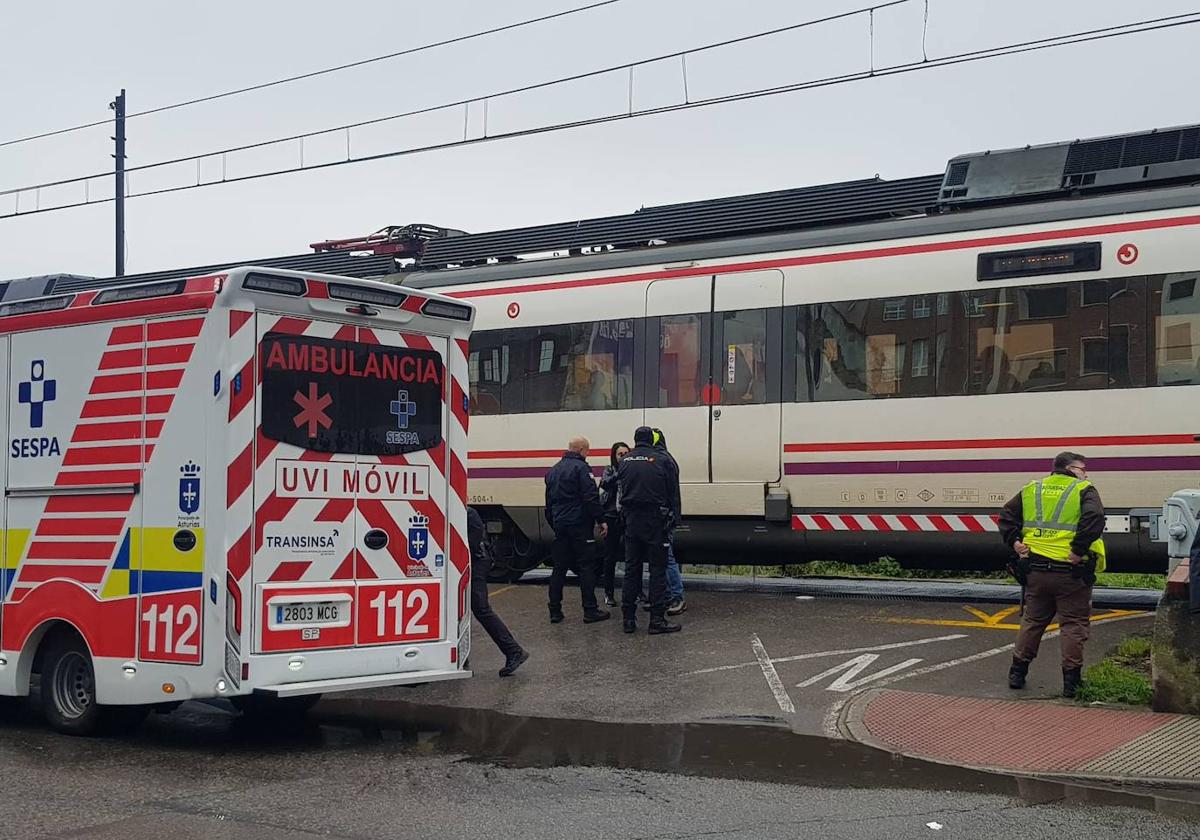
(575, 77)
(1072, 39)
(315, 73)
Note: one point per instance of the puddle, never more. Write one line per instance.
(751, 750)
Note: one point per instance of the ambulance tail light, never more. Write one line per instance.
(275, 285)
(442, 309)
(358, 294)
(453, 655)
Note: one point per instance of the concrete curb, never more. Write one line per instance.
(886, 589)
(851, 725)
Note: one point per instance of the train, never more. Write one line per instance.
(853, 370)
(843, 371)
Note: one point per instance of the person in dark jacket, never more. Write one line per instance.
(675, 602)
(614, 542)
(573, 511)
(481, 608)
(1054, 526)
(649, 487)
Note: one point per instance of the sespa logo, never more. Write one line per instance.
(36, 392)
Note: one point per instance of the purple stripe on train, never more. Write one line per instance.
(518, 472)
(990, 465)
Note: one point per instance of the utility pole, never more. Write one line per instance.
(118, 107)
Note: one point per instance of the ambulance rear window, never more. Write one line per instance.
(343, 396)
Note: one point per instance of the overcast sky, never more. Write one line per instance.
(62, 63)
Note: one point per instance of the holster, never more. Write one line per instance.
(1018, 567)
(1086, 571)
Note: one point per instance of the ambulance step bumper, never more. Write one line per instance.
(298, 689)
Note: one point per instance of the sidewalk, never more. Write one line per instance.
(1049, 739)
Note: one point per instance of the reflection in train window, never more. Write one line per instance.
(1175, 306)
(742, 358)
(582, 367)
(680, 378)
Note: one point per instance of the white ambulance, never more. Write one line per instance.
(250, 485)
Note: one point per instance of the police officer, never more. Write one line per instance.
(649, 503)
(481, 608)
(573, 510)
(1054, 526)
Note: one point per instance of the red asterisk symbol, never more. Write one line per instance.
(312, 410)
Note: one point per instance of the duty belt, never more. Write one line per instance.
(1042, 564)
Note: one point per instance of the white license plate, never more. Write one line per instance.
(307, 613)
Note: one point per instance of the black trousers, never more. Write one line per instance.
(645, 542)
(574, 547)
(481, 608)
(614, 552)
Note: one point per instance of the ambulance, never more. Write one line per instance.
(249, 486)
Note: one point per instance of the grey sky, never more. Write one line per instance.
(59, 68)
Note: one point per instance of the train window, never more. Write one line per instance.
(495, 366)
(1175, 308)
(741, 358)
(1030, 339)
(581, 367)
(680, 376)
(921, 306)
(1094, 292)
(1094, 358)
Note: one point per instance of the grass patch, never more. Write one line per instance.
(886, 567)
(1121, 677)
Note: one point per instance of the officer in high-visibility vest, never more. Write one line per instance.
(1054, 526)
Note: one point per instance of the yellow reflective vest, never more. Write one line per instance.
(1051, 507)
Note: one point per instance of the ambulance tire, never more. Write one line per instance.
(69, 687)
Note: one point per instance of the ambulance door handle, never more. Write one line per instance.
(375, 539)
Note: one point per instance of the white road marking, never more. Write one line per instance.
(841, 652)
(852, 668)
(829, 724)
(776, 684)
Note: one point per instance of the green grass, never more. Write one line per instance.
(886, 567)
(1121, 677)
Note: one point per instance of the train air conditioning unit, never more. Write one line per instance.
(1122, 162)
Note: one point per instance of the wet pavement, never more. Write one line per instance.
(202, 772)
(794, 661)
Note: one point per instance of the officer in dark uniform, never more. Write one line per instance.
(649, 492)
(481, 608)
(574, 511)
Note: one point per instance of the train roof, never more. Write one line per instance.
(1149, 170)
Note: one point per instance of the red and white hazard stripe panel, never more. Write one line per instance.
(944, 522)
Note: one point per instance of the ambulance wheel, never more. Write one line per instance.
(69, 688)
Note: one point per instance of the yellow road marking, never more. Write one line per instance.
(501, 590)
(996, 620)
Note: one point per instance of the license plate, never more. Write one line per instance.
(312, 612)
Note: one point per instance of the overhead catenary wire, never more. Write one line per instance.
(212, 97)
(458, 103)
(1018, 48)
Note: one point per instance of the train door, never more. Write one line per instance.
(746, 412)
(711, 388)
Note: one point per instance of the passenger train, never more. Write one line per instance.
(843, 371)
(858, 369)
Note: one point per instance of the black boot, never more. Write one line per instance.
(1017, 673)
(661, 625)
(630, 625)
(594, 615)
(1072, 679)
(556, 616)
(512, 662)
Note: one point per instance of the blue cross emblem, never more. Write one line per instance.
(403, 409)
(46, 391)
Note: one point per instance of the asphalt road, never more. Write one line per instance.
(754, 656)
(203, 773)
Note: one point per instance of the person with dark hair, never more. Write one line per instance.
(574, 512)
(649, 487)
(675, 602)
(481, 608)
(614, 541)
(1054, 526)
